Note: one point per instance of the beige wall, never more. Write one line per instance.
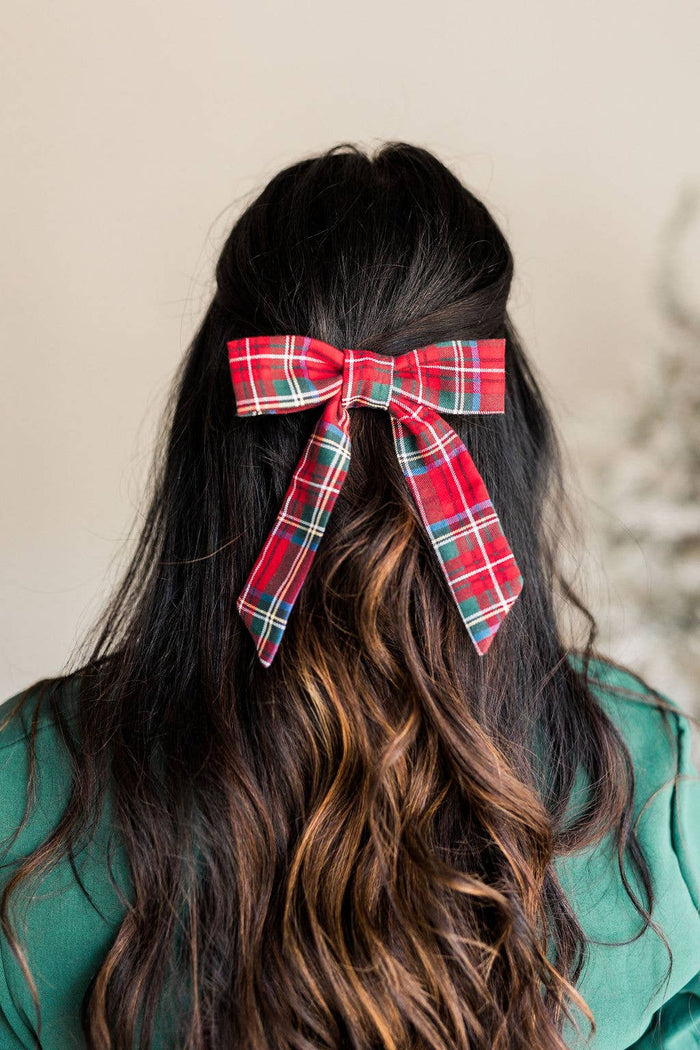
(133, 131)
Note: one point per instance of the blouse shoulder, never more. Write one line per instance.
(65, 937)
(28, 724)
(660, 967)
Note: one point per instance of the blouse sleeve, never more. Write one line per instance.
(685, 830)
(64, 933)
(14, 1033)
(640, 999)
(676, 1025)
(9, 1039)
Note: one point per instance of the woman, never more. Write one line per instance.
(304, 807)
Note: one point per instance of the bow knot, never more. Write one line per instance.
(273, 374)
(368, 379)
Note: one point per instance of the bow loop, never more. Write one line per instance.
(459, 377)
(290, 373)
(283, 373)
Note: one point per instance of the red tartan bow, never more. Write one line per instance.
(275, 374)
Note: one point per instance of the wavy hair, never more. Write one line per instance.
(352, 849)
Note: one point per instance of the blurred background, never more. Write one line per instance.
(134, 133)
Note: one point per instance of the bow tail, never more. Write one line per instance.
(275, 580)
(459, 518)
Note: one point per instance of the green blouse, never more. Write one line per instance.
(624, 983)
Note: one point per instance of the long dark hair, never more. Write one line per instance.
(353, 848)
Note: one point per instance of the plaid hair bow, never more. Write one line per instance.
(274, 374)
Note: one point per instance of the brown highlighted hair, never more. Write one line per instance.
(352, 849)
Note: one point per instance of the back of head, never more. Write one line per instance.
(386, 254)
(371, 828)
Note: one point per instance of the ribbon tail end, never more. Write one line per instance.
(265, 646)
(496, 619)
